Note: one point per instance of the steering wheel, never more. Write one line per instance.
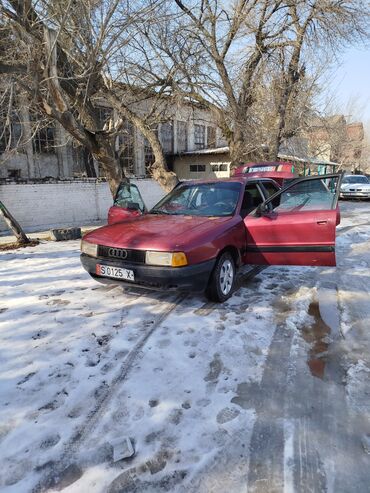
(221, 204)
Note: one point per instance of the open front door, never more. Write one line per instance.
(295, 226)
(127, 203)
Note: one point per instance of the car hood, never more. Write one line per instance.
(155, 232)
(363, 186)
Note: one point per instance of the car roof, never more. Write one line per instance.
(270, 174)
(236, 179)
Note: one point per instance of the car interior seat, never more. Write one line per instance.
(247, 204)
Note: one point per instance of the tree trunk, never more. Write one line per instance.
(105, 155)
(275, 142)
(13, 225)
(291, 79)
(236, 148)
(167, 179)
(88, 163)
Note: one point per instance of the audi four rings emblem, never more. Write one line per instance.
(117, 252)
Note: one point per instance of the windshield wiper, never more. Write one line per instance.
(158, 211)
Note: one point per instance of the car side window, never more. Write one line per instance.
(270, 188)
(127, 195)
(252, 198)
(318, 194)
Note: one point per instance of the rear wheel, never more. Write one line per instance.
(222, 280)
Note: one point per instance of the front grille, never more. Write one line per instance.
(135, 256)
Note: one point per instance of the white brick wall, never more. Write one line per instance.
(38, 206)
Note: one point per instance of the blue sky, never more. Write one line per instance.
(352, 80)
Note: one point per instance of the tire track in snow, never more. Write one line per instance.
(302, 425)
(53, 474)
(121, 376)
(69, 459)
(283, 451)
(266, 464)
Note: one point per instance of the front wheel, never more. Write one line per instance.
(222, 280)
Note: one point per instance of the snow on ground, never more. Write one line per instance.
(83, 364)
(64, 338)
(354, 301)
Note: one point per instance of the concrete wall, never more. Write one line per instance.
(14, 161)
(43, 165)
(38, 206)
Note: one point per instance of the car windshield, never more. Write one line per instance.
(355, 179)
(203, 199)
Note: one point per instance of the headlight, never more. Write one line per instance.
(168, 259)
(89, 248)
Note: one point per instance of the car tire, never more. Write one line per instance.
(222, 280)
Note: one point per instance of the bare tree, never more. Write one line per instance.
(65, 53)
(224, 56)
(13, 224)
(364, 162)
(315, 29)
(219, 53)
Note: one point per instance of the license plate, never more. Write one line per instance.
(115, 272)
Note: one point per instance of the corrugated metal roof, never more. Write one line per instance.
(215, 150)
(289, 157)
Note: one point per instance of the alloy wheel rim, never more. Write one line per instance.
(226, 276)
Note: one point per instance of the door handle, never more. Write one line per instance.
(322, 222)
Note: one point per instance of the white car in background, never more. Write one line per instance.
(355, 186)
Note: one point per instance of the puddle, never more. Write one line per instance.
(318, 336)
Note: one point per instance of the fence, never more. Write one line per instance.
(64, 203)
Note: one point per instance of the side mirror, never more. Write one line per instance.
(262, 210)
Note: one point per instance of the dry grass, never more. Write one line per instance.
(16, 245)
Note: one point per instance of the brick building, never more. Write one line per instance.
(336, 140)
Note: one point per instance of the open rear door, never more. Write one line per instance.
(296, 226)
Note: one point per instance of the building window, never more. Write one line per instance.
(43, 140)
(167, 137)
(126, 147)
(103, 116)
(182, 136)
(196, 168)
(219, 167)
(211, 137)
(10, 134)
(199, 136)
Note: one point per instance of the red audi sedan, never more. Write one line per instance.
(199, 234)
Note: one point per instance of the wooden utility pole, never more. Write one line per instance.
(13, 225)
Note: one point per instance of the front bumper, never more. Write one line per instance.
(188, 278)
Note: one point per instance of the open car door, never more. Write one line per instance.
(295, 226)
(127, 203)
